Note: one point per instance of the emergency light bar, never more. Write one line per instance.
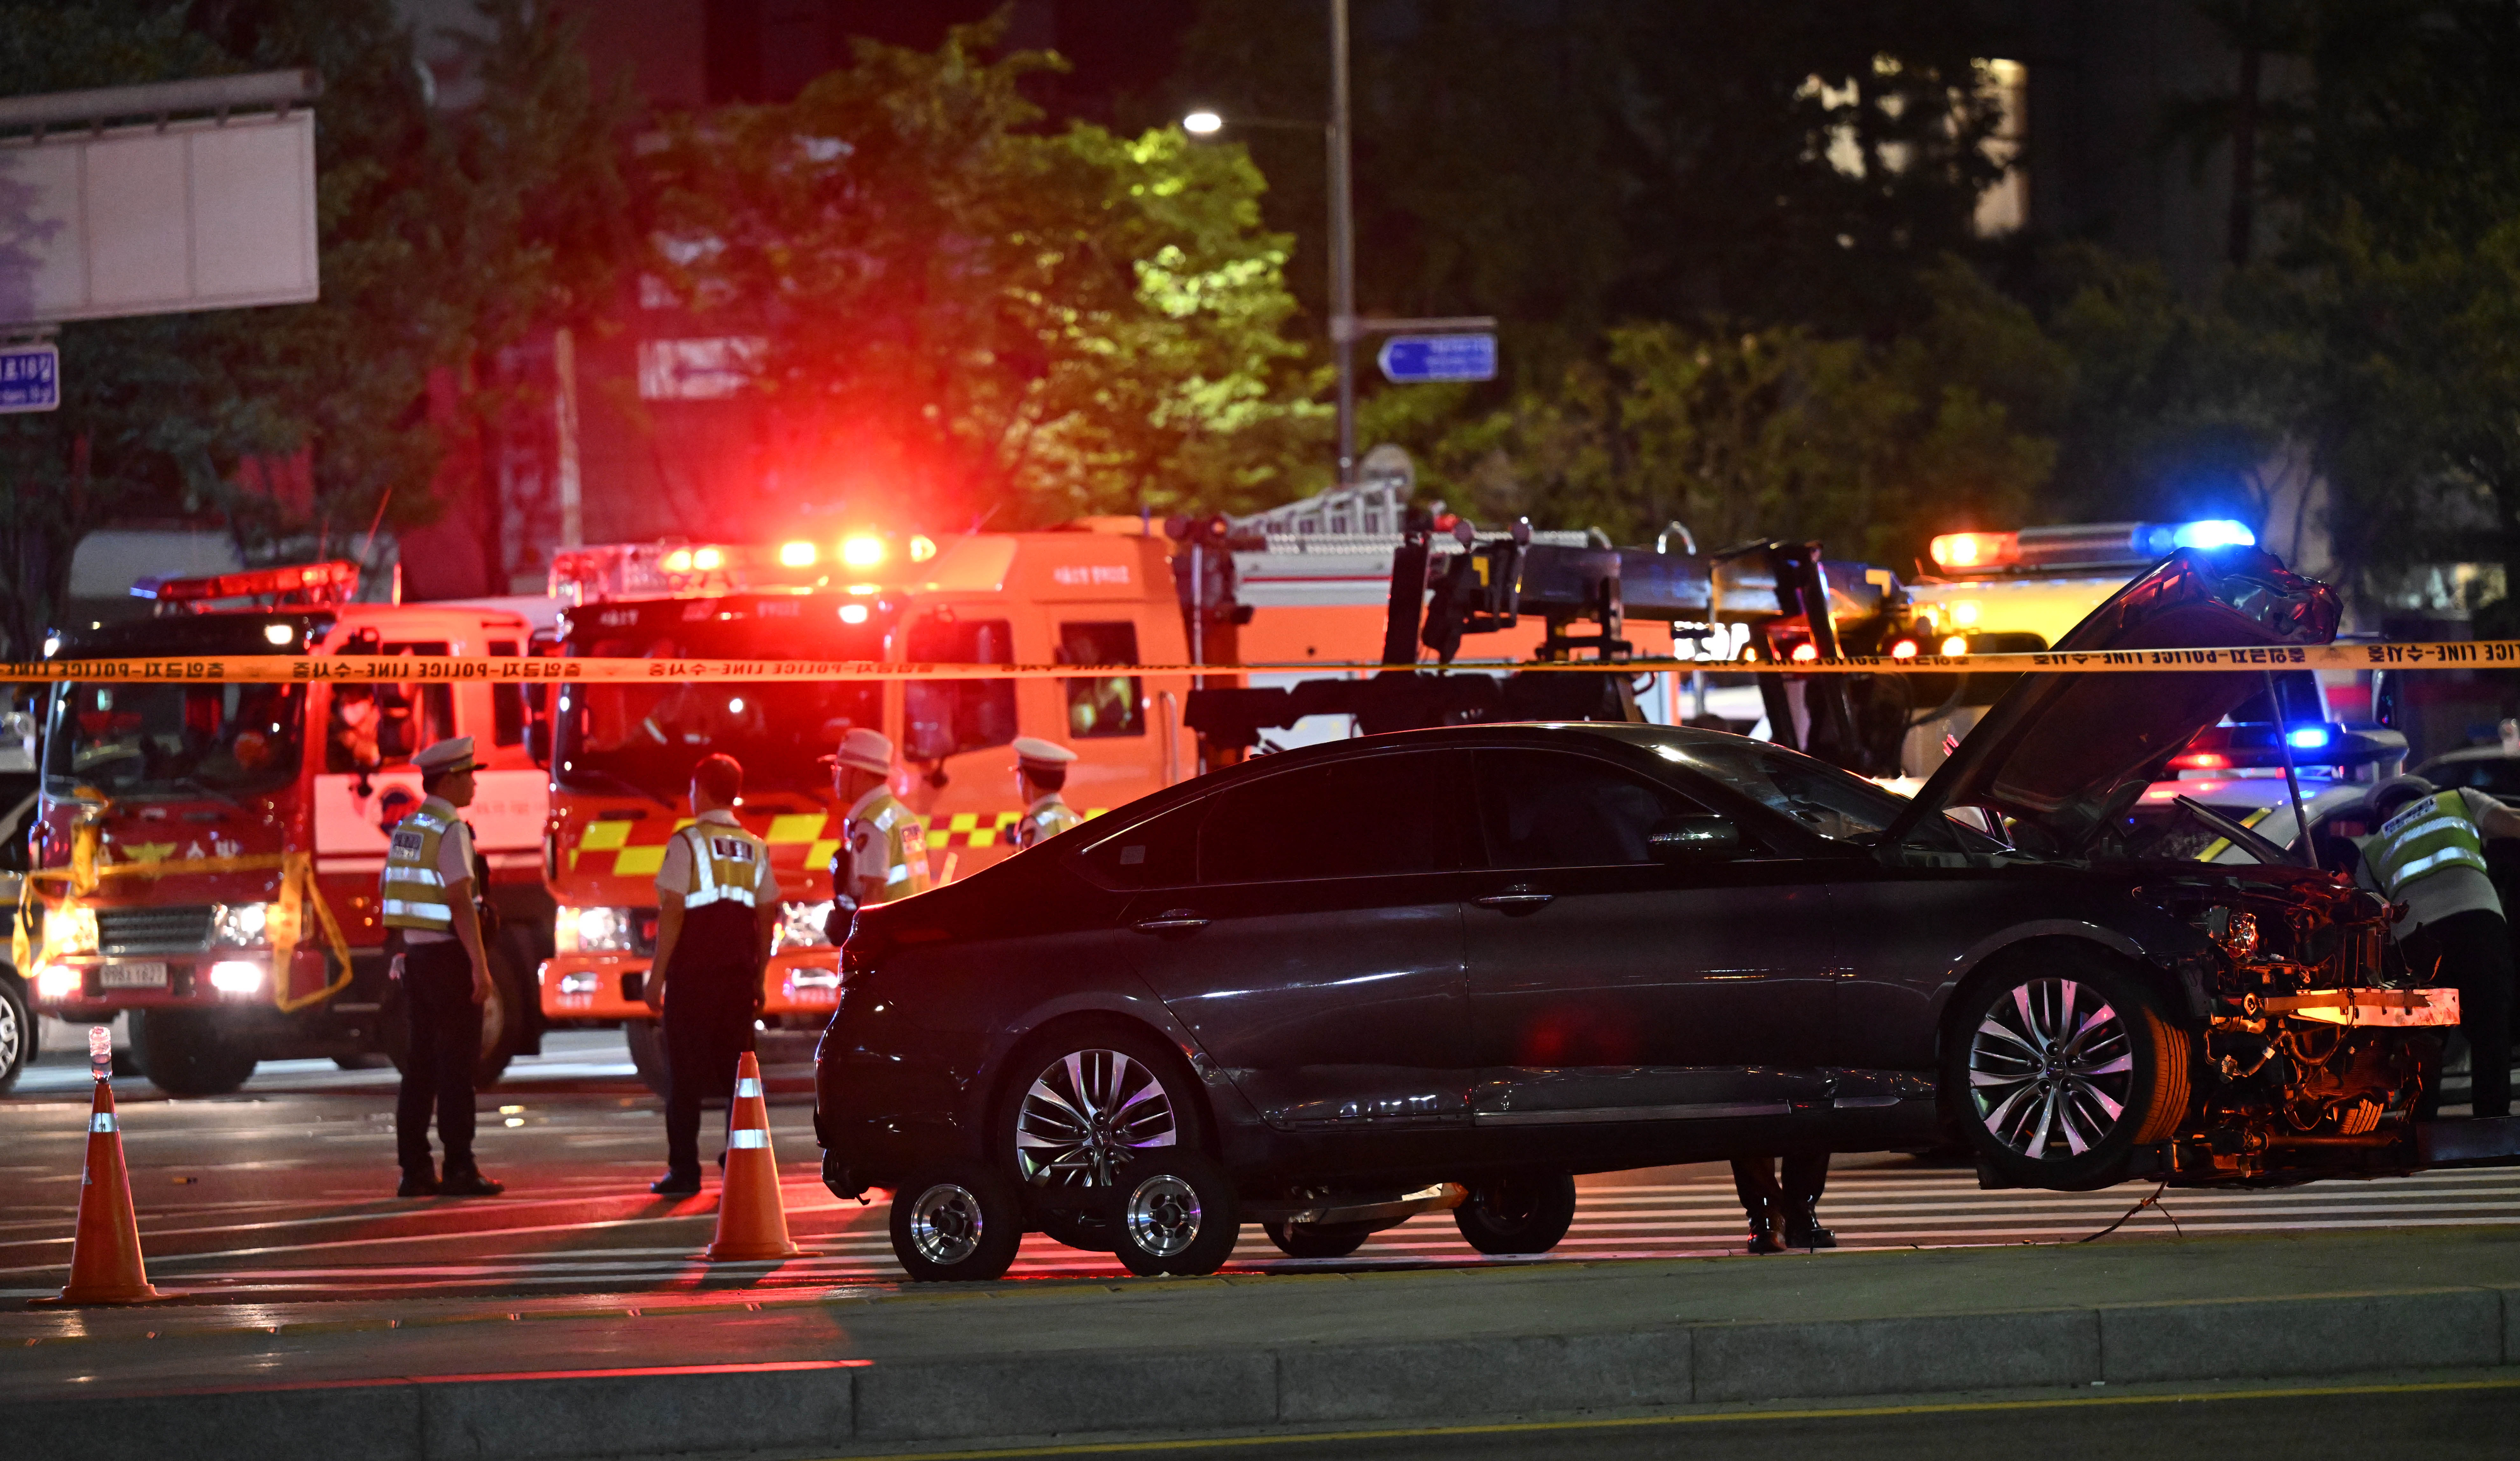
(673, 569)
(2094, 545)
(2222, 748)
(313, 585)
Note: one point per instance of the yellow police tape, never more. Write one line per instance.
(297, 891)
(512, 669)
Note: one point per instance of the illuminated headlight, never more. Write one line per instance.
(801, 924)
(593, 931)
(583, 981)
(71, 930)
(237, 977)
(55, 981)
(242, 924)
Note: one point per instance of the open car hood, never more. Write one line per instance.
(2063, 755)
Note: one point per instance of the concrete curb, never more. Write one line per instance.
(790, 1407)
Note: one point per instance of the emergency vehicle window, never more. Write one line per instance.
(1159, 852)
(506, 704)
(948, 717)
(411, 717)
(1370, 816)
(1108, 705)
(1547, 808)
(173, 741)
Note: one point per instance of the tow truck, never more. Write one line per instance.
(620, 755)
(205, 855)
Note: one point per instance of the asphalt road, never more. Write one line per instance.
(284, 1190)
(2434, 1417)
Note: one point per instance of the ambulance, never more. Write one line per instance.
(620, 754)
(204, 854)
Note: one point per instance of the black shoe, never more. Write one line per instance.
(416, 1185)
(676, 1184)
(470, 1184)
(1809, 1235)
(1764, 1230)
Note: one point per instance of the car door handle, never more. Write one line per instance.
(1171, 919)
(1515, 900)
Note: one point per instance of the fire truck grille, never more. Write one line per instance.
(181, 929)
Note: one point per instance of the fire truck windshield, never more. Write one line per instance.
(643, 740)
(164, 743)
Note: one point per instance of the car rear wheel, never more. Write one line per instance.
(1318, 1240)
(1526, 1214)
(1177, 1215)
(1087, 1108)
(2060, 1067)
(956, 1222)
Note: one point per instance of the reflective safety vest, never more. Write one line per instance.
(2422, 839)
(1048, 818)
(903, 840)
(727, 863)
(413, 889)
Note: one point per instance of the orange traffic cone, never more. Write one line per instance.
(105, 1252)
(751, 1223)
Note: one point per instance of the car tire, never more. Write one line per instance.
(2060, 1067)
(647, 1041)
(17, 1034)
(1056, 1125)
(956, 1222)
(1318, 1240)
(1177, 1216)
(1521, 1214)
(184, 1053)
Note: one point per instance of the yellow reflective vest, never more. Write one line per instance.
(413, 891)
(727, 864)
(886, 847)
(1048, 818)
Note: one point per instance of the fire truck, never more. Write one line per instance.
(205, 855)
(621, 754)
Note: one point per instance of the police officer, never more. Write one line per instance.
(882, 856)
(718, 911)
(1783, 1214)
(426, 891)
(2428, 852)
(1040, 773)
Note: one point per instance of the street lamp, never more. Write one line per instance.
(1202, 124)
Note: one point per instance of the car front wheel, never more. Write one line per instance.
(2061, 1068)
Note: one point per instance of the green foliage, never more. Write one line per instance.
(1742, 433)
(964, 318)
(442, 236)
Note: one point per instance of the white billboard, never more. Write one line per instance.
(157, 218)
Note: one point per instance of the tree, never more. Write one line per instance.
(442, 237)
(962, 318)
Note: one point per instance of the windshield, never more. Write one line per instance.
(169, 742)
(643, 740)
(1827, 800)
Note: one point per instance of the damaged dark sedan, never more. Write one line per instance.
(1330, 988)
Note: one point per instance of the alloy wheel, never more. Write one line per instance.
(12, 1036)
(2051, 1069)
(1163, 1215)
(945, 1223)
(1088, 1114)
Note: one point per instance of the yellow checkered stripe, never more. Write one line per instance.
(965, 829)
(644, 859)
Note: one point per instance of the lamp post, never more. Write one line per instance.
(1335, 136)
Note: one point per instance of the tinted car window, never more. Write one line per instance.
(1549, 808)
(1370, 816)
(2496, 777)
(1162, 852)
(1821, 797)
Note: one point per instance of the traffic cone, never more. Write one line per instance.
(752, 1222)
(105, 1252)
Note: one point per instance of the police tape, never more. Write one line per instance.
(2479, 654)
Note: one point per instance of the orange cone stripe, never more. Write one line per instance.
(752, 1219)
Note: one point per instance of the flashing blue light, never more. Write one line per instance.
(2306, 738)
(2153, 539)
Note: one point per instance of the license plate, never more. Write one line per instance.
(151, 976)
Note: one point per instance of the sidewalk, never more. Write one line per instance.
(729, 1370)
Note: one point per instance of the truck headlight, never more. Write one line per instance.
(56, 981)
(237, 977)
(72, 930)
(242, 924)
(801, 924)
(593, 931)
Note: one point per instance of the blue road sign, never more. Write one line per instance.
(1424, 360)
(31, 378)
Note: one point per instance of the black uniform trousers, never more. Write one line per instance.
(2471, 952)
(1754, 1180)
(437, 1068)
(708, 1019)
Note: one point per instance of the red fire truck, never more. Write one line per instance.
(621, 754)
(205, 854)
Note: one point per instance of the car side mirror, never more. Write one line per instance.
(1698, 839)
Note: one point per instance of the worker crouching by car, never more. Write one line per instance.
(2429, 853)
(717, 905)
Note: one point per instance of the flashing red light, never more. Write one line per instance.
(1905, 649)
(1806, 653)
(312, 582)
(2200, 761)
(1975, 550)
